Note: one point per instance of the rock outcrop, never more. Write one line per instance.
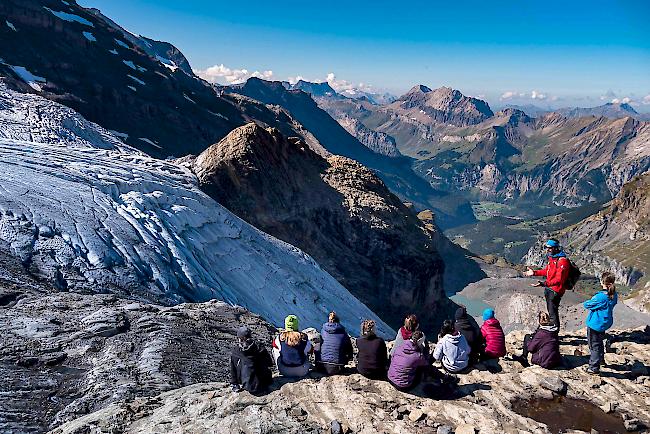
(378, 142)
(336, 210)
(487, 400)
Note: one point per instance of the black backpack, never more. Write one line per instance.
(573, 277)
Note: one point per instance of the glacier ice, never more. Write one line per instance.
(90, 213)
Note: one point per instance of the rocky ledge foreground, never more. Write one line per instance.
(482, 403)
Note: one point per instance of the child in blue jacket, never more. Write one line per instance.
(600, 318)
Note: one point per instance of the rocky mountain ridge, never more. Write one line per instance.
(510, 157)
(127, 83)
(335, 209)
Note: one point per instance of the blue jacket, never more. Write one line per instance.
(336, 348)
(601, 315)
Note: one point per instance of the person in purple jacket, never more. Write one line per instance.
(408, 363)
(544, 344)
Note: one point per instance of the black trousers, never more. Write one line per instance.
(553, 306)
(596, 347)
(527, 338)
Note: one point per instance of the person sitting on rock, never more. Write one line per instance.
(411, 324)
(557, 275)
(452, 348)
(468, 327)
(250, 364)
(336, 347)
(291, 350)
(495, 339)
(544, 344)
(408, 363)
(600, 318)
(372, 358)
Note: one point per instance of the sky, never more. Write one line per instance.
(548, 53)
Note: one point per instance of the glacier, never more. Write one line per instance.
(91, 214)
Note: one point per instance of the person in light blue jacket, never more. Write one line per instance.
(600, 318)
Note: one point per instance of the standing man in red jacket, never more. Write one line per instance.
(556, 273)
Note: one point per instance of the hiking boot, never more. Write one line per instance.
(591, 371)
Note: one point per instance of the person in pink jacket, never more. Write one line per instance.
(495, 339)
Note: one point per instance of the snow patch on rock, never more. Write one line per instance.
(69, 17)
(89, 36)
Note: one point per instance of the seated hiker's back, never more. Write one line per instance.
(372, 357)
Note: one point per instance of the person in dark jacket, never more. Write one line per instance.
(411, 324)
(250, 364)
(556, 273)
(372, 358)
(468, 327)
(336, 347)
(408, 363)
(544, 344)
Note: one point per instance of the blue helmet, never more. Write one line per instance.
(552, 243)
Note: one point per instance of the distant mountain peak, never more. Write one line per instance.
(420, 88)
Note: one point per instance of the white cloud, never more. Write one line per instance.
(224, 75)
(512, 94)
(345, 87)
(625, 100)
(537, 95)
(646, 99)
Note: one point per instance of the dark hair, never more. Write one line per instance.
(332, 317)
(416, 336)
(608, 279)
(411, 322)
(544, 319)
(447, 328)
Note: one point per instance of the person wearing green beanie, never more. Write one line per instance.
(291, 323)
(291, 349)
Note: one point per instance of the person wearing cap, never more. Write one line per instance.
(250, 364)
(495, 339)
(557, 274)
(291, 349)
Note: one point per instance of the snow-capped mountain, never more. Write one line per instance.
(89, 213)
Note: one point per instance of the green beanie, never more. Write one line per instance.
(291, 323)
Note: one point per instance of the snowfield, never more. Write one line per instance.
(90, 213)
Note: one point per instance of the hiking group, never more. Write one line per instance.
(460, 344)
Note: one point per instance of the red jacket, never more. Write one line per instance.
(495, 340)
(556, 272)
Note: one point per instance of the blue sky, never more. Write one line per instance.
(550, 53)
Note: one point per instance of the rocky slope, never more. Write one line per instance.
(616, 239)
(66, 354)
(376, 141)
(610, 110)
(88, 213)
(487, 400)
(334, 209)
(126, 83)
